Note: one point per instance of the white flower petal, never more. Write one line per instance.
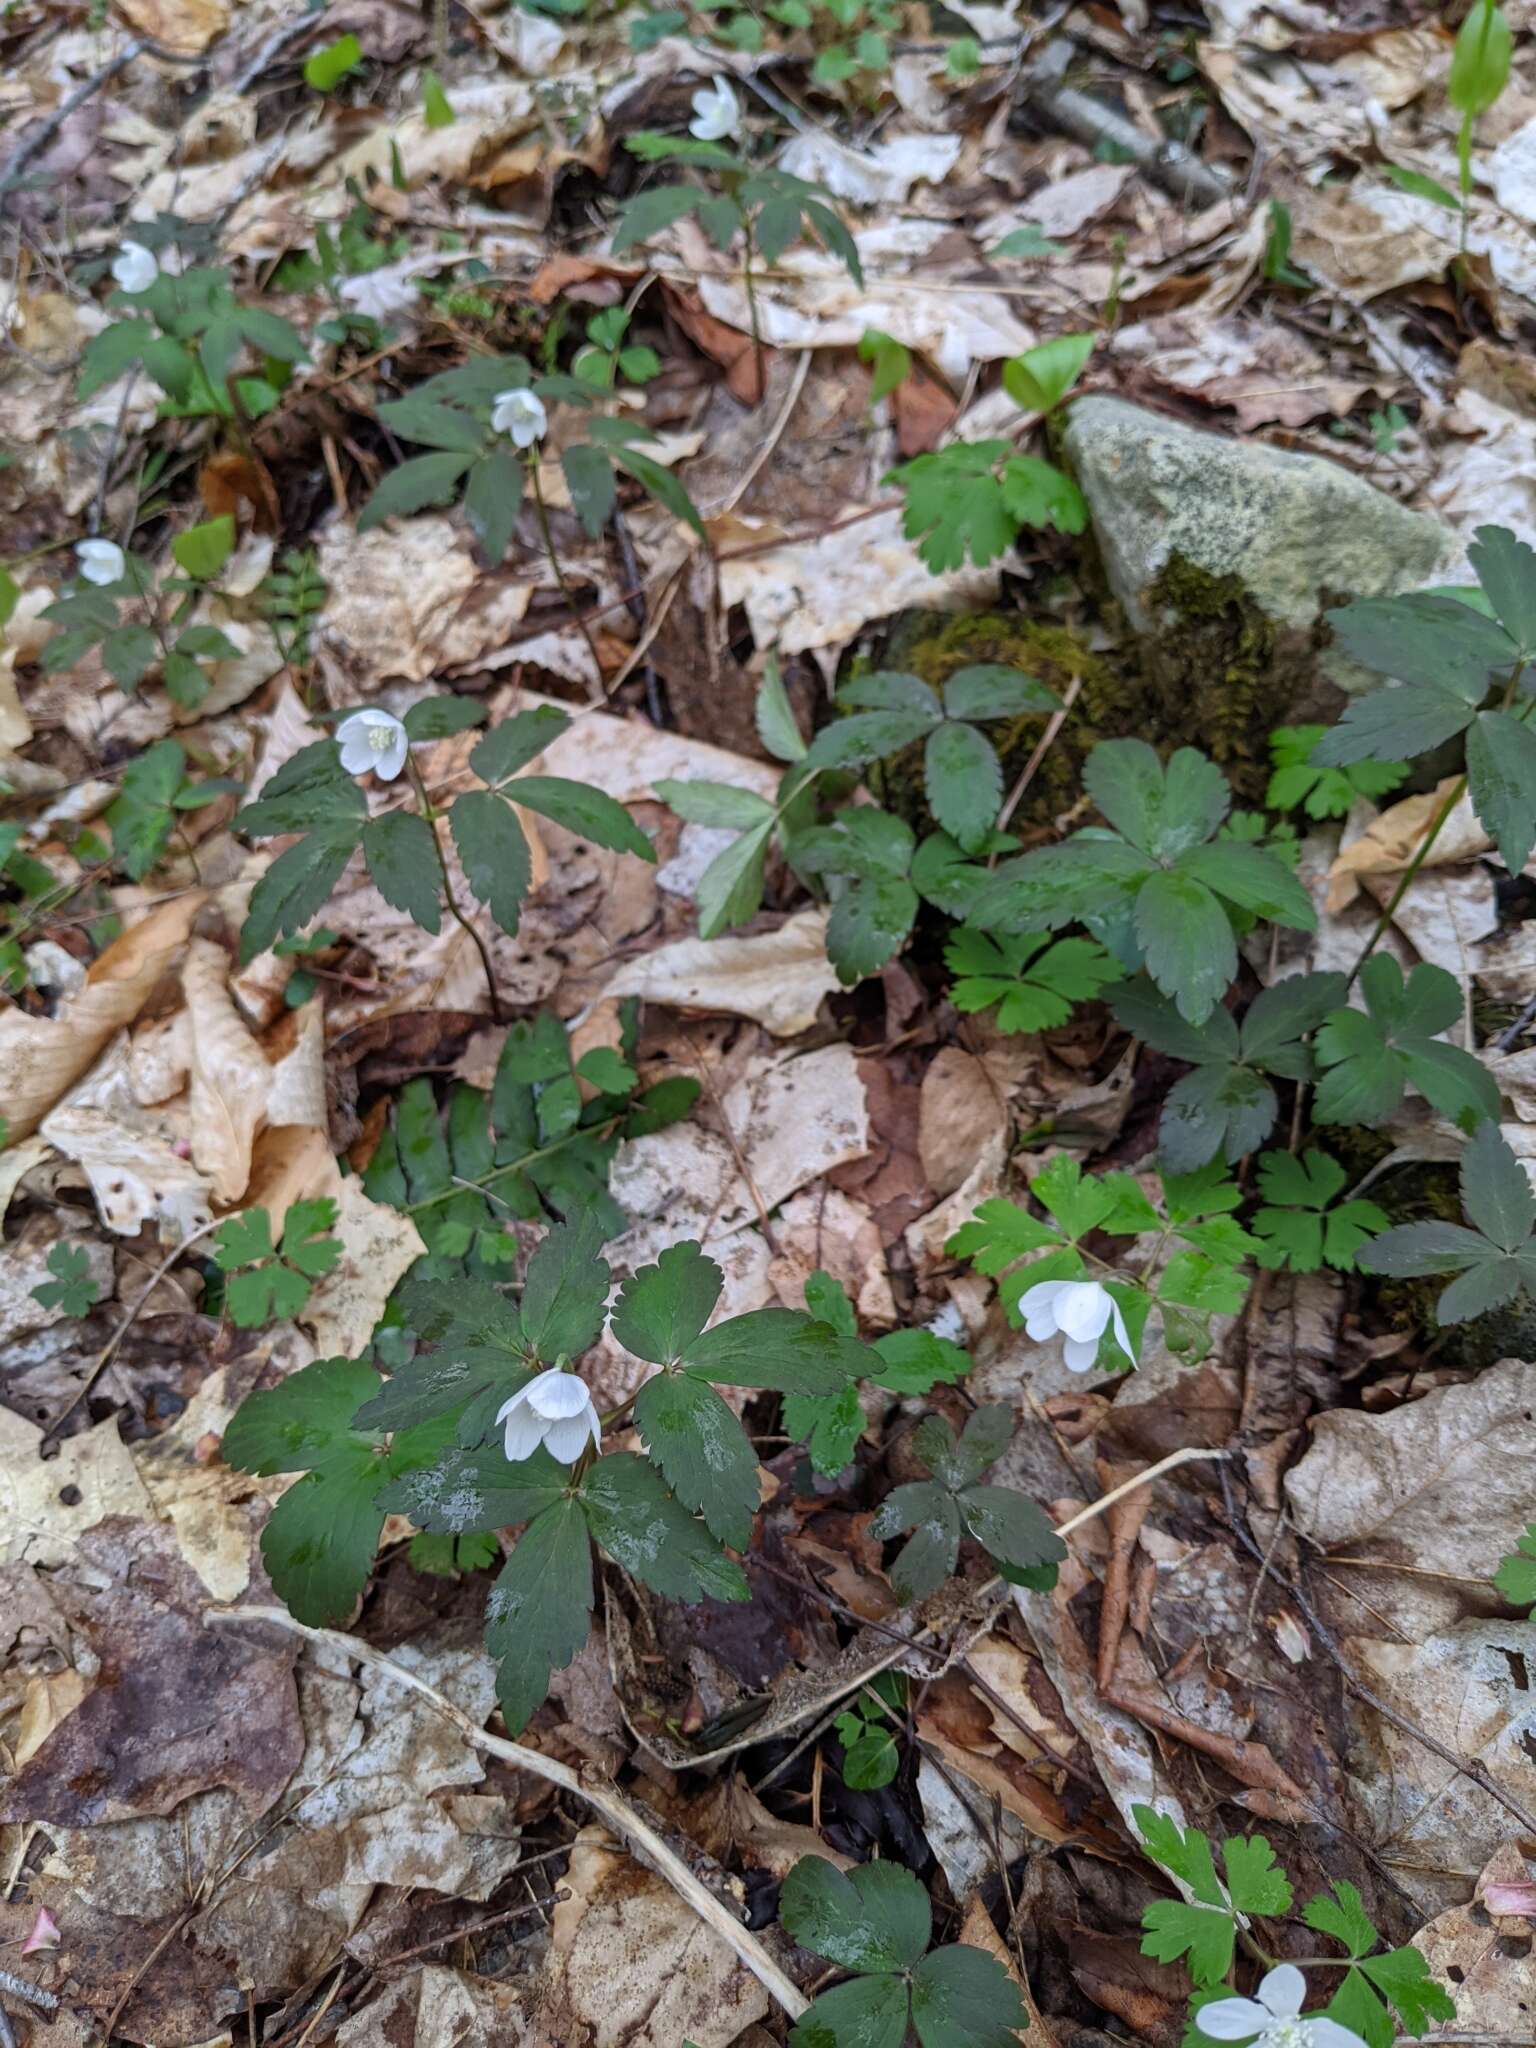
(716, 111)
(373, 741)
(1037, 1305)
(1283, 1992)
(512, 1404)
(1081, 1353)
(101, 561)
(521, 414)
(135, 268)
(556, 1394)
(567, 1439)
(524, 1434)
(1323, 2032)
(1232, 2019)
(1082, 1310)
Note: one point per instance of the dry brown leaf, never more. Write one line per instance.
(631, 1965)
(187, 26)
(41, 1056)
(1484, 1954)
(778, 978)
(1389, 842)
(46, 1507)
(230, 1074)
(963, 1113)
(1443, 1484)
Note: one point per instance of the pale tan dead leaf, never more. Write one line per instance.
(1443, 1484)
(1444, 913)
(804, 594)
(230, 1074)
(778, 978)
(824, 1229)
(961, 1115)
(45, 1506)
(186, 26)
(41, 1056)
(134, 1175)
(379, 1244)
(1389, 842)
(49, 1700)
(631, 1965)
(439, 2004)
(296, 1088)
(411, 601)
(487, 113)
(1468, 1948)
(881, 175)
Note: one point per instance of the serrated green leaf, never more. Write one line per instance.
(1255, 1883)
(929, 1556)
(829, 1425)
(869, 923)
(401, 851)
(1201, 1935)
(1343, 1917)
(1186, 1853)
(875, 1918)
(963, 782)
(540, 1609)
(424, 480)
(964, 1998)
(1516, 1575)
(866, 2012)
(1506, 569)
(1401, 1976)
(71, 1290)
(493, 497)
(663, 1308)
(589, 477)
(702, 1451)
(720, 804)
(1501, 776)
(999, 1233)
(589, 813)
(493, 851)
(1187, 942)
(465, 1492)
(640, 1525)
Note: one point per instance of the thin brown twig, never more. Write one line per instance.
(604, 1799)
(1043, 746)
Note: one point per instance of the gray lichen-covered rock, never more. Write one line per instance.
(1293, 529)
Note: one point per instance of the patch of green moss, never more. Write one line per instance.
(1222, 675)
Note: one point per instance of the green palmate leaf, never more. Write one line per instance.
(1495, 1191)
(1425, 639)
(1255, 1882)
(589, 476)
(401, 851)
(1186, 941)
(140, 817)
(866, 2012)
(424, 480)
(1401, 1976)
(298, 883)
(998, 1234)
(493, 851)
(539, 1609)
(1516, 1575)
(892, 362)
(829, 1425)
(471, 1492)
(1321, 792)
(327, 67)
(1391, 724)
(929, 1556)
(1495, 1261)
(963, 781)
(1162, 811)
(129, 653)
(1343, 1917)
(434, 425)
(513, 743)
(1042, 376)
(203, 550)
(1373, 1058)
(649, 212)
(875, 1918)
(1298, 1227)
(320, 1541)
(589, 813)
(988, 689)
(1501, 775)
(1201, 1935)
(662, 1309)
(633, 1517)
(955, 506)
(1033, 982)
(731, 888)
(702, 1451)
(493, 497)
(71, 1290)
(1506, 569)
(964, 1998)
(1186, 1853)
(869, 924)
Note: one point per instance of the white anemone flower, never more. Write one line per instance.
(716, 112)
(101, 561)
(134, 269)
(554, 1410)
(521, 414)
(1274, 2017)
(373, 739)
(1081, 1310)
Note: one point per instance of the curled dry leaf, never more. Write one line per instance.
(1389, 842)
(777, 978)
(41, 1056)
(230, 1074)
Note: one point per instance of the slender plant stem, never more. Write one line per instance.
(542, 510)
(1405, 882)
(757, 332)
(455, 911)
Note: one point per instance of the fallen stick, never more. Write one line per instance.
(1089, 121)
(611, 1805)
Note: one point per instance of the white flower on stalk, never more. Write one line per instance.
(101, 561)
(554, 1410)
(521, 414)
(1081, 1310)
(373, 739)
(135, 268)
(716, 112)
(1274, 2017)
